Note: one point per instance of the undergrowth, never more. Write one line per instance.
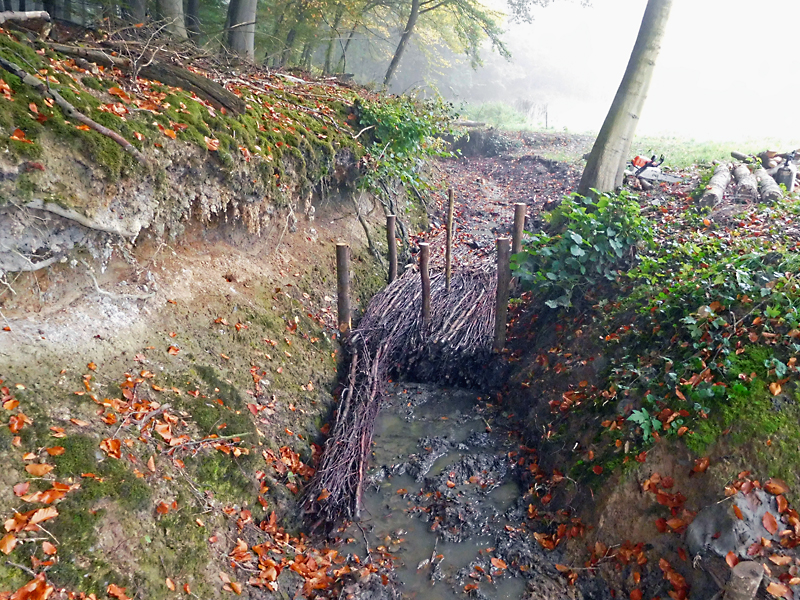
(702, 326)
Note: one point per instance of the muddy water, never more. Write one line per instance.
(442, 491)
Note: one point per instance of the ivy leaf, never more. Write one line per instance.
(577, 251)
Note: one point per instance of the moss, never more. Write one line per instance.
(79, 456)
(223, 474)
(92, 83)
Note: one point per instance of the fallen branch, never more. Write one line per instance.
(69, 110)
(73, 215)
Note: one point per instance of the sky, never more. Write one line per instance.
(728, 69)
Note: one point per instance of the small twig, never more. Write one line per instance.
(355, 137)
(366, 543)
(28, 570)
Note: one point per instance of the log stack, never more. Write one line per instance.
(752, 179)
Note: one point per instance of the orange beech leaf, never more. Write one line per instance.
(780, 560)
(775, 388)
(211, 144)
(7, 543)
(170, 584)
(738, 512)
(323, 495)
(39, 469)
(56, 450)
(636, 594)
(731, 559)
(83, 127)
(49, 548)
(151, 464)
(138, 136)
(115, 91)
(111, 447)
(236, 587)
(162, 508)
(499, 563)
(779, 590)
(776, 486)
(769, 522)
(782, 504)
(170, 133)
(701, 464)
(43, 514)
(19, 136)
(173, 350)
(117, 592)
(21, 488)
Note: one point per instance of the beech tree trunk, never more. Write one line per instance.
(7, 6)
(770, 191)
(342, 64)
(746, 184)
(242, 32)
(136, 11)
(193, 20)
(326, 69)
(398, 53)
(606, 165)
(172, 12)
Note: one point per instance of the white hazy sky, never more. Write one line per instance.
(728, 69)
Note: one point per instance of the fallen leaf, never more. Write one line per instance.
(170, 584)
(776, 486)
(7, 543)
(170, 133)
(499, 563)
(39, 469)
(769, 522)
(701, 464)
(779, 590)
(780, 560)
(738, 512)
(731, 559)
(49, 548)
(775, 388)
(173, 350)
(56, 450)
(211, 143)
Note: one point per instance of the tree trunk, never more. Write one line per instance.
(241, 35)
(288, 47)
(172, 12)
(67, 15)
(136, 11)
(342, 64)
(7, 6)
(22, 6)
(305, 57)
(49, 7)
(326, 69)
(770, 191)
(606, 165)
(398, 53)
(193, 20)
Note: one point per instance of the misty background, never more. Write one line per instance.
(728, 69)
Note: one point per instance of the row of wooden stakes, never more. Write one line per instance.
(505, 247)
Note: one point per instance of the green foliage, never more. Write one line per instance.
(598, 242)
(646, 421)
(403, 135)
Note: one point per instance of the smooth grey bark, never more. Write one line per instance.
(342, 64)
(7, 6)
(326, 69)
(606, 165)
(136, 11)
(193, 20)
(172, 12)
(409, 30)
(242, 28)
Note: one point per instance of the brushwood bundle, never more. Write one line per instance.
(391, 339)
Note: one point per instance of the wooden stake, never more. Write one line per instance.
(503, 284)
(520, 208)
(449, 248)
(391, 222)
(343, 286)
(424, 257)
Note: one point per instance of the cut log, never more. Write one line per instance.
(746, 184)
(173, 75)
(21, 16)
(770, 191)
(744, 582)
(716, 186)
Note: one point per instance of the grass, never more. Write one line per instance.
(680, 152)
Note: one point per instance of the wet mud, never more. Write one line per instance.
(444, 498)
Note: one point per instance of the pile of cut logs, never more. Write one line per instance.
(756, 178)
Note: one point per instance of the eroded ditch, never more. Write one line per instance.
(444, 498)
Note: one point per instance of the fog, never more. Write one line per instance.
(728, 69)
